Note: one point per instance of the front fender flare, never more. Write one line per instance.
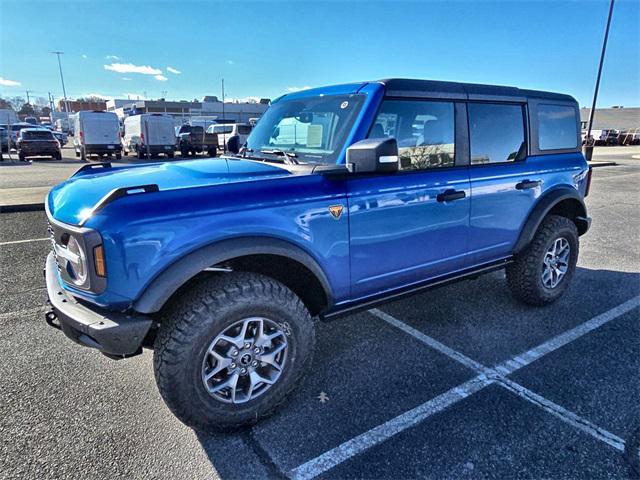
(180, 272)
(542, 208)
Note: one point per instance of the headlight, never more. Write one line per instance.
(77, 262)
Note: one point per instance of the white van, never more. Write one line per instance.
(97, 133)
(227, 130)
(149, 133)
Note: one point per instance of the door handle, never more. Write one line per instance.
(451, 195)
(526, 184)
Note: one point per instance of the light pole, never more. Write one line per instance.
(588, 150)
(64, 92)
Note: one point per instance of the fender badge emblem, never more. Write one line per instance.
(336, 211)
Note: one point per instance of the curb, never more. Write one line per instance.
(25, 207)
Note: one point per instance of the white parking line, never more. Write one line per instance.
(383, 432)
(25, 241)
(563, 414)
(549, 346)
(487, 376)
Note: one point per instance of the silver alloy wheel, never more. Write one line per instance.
(245, 360)
(556, 263)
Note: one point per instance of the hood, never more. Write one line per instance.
(69, 201)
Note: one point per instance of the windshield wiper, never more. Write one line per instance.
(289, 157)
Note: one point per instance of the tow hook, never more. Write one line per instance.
(51, 319)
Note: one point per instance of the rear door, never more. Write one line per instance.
(412, 225)
(160, 130)
(504, 184)
(100, 128)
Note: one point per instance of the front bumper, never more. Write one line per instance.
(113, 333)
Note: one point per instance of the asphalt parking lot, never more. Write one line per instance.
(460, 382)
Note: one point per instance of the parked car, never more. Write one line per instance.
(98, 134)
(4, 139)
(343, 198)
(601, 137)
(63, 125)
(60, 136)
(31, 120)
(14, 130)
(37, 142)
(226, 131)
(149, 134)
(630, 136)
(193, 139)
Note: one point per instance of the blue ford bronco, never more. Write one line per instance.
(342, 198)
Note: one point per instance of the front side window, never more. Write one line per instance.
(496, 132)
(313, 128)
(425, 132)
(557, 127)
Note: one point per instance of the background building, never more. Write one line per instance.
(617, 118)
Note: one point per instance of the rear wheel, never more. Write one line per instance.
(58, 156)
(118, 156)
(543, 271)
(21, 157)
(231, 349)
(184, 152)
(140, 154)
(83, 154)
(170, 155)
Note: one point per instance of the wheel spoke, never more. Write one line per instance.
(230, 382)
(220, 365)
(270, 357)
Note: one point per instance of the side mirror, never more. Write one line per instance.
(373, 155)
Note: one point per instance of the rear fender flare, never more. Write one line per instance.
(542, 208)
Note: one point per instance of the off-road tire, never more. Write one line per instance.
(524, 276)
(193, 320)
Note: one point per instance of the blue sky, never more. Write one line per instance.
(264, 49)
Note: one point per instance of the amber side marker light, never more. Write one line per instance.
(98, 256)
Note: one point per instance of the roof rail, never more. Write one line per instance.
(92, 166)
(114, 195)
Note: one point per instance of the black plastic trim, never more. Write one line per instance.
(373, 301)
(177, 274)
(542, 208)
(113, 333)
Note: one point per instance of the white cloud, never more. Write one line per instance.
(8, 83)
(298, 89)
(112, 57)
(173, 70)
(126, 78)
(161, 78)
(84, 55)
(131, 68)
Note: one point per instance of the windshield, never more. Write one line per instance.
(313, 128)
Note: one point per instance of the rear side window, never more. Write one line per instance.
(424, 131)
(557, 127)
(244, 129)
(496, 132)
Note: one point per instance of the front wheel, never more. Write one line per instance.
(542, 272)
(231, 349)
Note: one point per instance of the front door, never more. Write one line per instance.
(412, 225)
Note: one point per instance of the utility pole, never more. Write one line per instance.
(28, 99)
(224, 134)
(64, 91)
(588, 150)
